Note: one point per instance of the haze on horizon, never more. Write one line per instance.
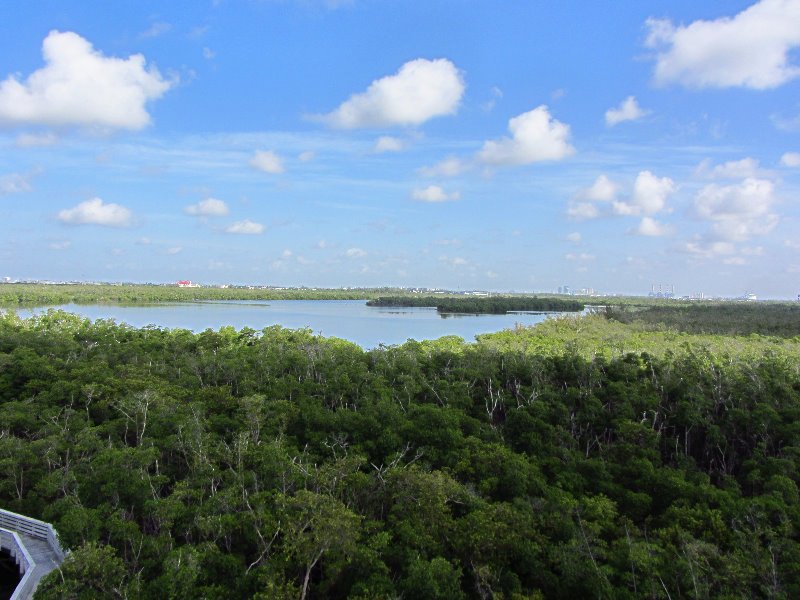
(443, 144)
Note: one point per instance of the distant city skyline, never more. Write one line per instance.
(332, 143)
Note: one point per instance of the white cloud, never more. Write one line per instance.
(208, 54)
(749, 199)
(94, 212)
(628, 110)
(582, 211)
(420, 90)
(143, 241)
(387, 144)
(36, 140)
(602, 190)
(535, 136)
(210, 207)
(449, 167)
(739, 211)
(791, 159)
(355, 253)
(649, 195)
(733, 169)
(575, 237)
(652, 228)
(750, 49)
(434, 193)
(65, 245)
(267, 161)
(174, 250)
(79, 86)
(245, 227)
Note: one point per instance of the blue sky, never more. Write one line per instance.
(456, 143)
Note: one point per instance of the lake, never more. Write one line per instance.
(348, 319)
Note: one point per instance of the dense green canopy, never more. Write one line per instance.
(494, 304)
(581, 458)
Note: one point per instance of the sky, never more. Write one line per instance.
(460, 144)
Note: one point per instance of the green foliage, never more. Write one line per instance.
(494, 304)
(583, 457)
(31, 294)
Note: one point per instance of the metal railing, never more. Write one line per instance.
(11, 541)
(32, 527)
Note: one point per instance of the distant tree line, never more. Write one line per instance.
(581, 458)
(21, 294)
(728, 318)
(481, 304)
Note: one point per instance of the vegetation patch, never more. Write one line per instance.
(580, 458)
(481, 304)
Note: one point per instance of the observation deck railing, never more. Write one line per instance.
(35, 547)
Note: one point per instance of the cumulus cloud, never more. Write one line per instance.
(535, 136)
(791, 159)
(651, 228)
(575, 237)
(738, 211)
(751, 198)
(750, 49)
(649, 195)
(629, 110)
(267, 161)
(434, 193)
(95, 212)
(387, 143)
(602, 190)
(174, 250)
(449, 167)
(420, 90)
(210, 207)
(245, 227)
(80, 86)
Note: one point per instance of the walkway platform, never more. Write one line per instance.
(34, 546)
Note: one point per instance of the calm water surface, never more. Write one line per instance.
(348, 319)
